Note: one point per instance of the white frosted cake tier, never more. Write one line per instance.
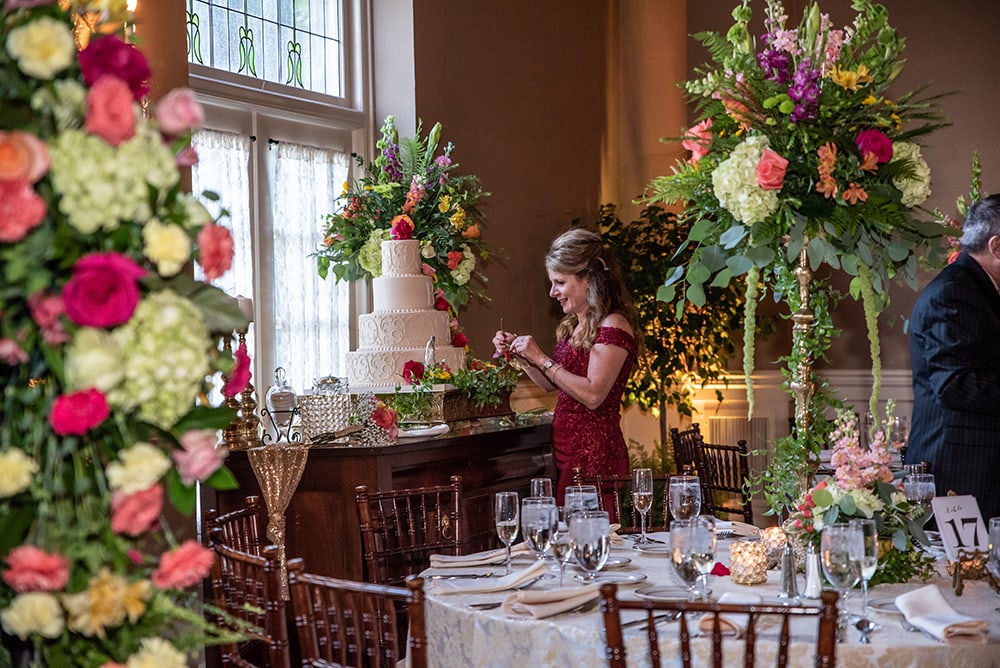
(401, 258)
(404, 328)
(384, 367)
(402, 293)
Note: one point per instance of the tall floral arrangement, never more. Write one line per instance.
(105, 347)
(862, 486)
(411, 190)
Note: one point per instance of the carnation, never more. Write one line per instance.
(42, 48)
(167, 245)
(157, 653)
(185, 566)
(31, 613)
(137, 468)
(915, 188)
(16, 471)
(736, 187)
(34, 569)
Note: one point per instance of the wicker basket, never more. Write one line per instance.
(323, 414)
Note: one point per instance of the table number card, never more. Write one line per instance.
(960, 523)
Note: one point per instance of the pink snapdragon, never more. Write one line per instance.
(858, 467)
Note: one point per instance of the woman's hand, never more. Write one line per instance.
(501, 342)
(526, 348)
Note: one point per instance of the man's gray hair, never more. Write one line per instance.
(981, 223)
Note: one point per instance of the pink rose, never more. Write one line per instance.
(402, 228)
(698, 140)
(771, 170)
(46, 309)
(110, 115)
(413, 371)
(200, 457)
(427, 270)
(32, 569)
(215, 250)
(12, 353)
(110, 55)
(184, 566)
(179, 112)
(77, 413)
(103, 291)
(23, 157)
(21, 210)
(240, 375)
(135, 514)
(874, 141)
(454, 257)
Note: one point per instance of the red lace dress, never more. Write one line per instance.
(590, 439)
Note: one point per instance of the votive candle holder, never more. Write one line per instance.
(748, 562)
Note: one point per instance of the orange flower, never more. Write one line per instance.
(870, 163)
(23, 157)
(471, 232)
(827, 186)
(855, 193)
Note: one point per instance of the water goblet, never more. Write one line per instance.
(581, 497)
(591, 534)
(506, 515)
(867, 556)
(838, 543)
(538, 515)
(682, 553)
(993, 561)
(684, 496)
(562, 547)
(899, 432)
(919, 490)
(642, 498)
(541, 487)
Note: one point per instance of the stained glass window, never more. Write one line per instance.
(297, 43)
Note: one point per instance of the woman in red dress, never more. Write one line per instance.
(592, 360)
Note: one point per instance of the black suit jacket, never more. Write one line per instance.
(955, 354)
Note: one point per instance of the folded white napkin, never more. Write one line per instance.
(926, 609)
(487, 558)
(516, 579)
(729, 625)
(541, 604)
(616, 540)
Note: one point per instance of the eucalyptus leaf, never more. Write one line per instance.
(733, 236)
(722, 279)
(739, 264)
(714, 258)
(675, 275)
(701, 229)
(847, 505)
(665, 293)
(696, 294)
(897, 252)
(762, 256)
(698, 273)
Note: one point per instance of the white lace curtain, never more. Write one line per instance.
(302, 321)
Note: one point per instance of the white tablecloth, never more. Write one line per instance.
(460, 636)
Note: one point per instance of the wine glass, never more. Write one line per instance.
(591, 534)
(898, 433)
(703, 550)
(538, 515)
(642, 498)
(685, 496)
(541, 487)
(562, 547)
(867, 557)
(506, 516)
(919, 490)
(838, 543)
(581, 497)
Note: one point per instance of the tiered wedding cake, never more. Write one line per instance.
(403, 321)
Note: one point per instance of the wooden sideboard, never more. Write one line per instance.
(321, 520)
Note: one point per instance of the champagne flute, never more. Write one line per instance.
(681, 550)
(919, 490)
(562, 547)
(867, 556)
(506, 516)
(685, 496)
(642, 498)
(591, 533)
(538, 515)
(838, 543)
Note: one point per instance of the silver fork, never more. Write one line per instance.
(461, 576)
(916, 629)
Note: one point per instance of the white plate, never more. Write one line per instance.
(662, 593)
(424, 432)
(616, 578)
(885, 605)
(613, 562)
(654, 548)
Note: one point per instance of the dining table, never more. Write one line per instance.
(460, 632)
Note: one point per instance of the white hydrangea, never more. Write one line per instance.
(735, 183)
(94, 359)
(16, 471)
(138, 468)
(917, 189)
(166, 345)
(65, 100)
(370, 255)
(101, 185)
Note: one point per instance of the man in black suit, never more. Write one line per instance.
(955, 353)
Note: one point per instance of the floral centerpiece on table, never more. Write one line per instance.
(483, 383)
(378, 421)
(862, 487)
(105, 347)
(801, 145)
(411, 190)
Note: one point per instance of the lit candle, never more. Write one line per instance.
(748, 562)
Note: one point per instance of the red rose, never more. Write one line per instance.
(109, 111)
(874, 141)
(413, 371)
(77, 413)
(402, 228)
(454, 257)
(384, 417)
(110, 55)
(185, 566)
(459, 340)
(103, 291)
(771, 170)
(441, 304)
(32, 569)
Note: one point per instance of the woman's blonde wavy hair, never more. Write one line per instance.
(581, 253)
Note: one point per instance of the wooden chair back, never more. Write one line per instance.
(617, 490)
(401, 528)
(686, 448)
(691, 613)
(356, 624)
(724, 470)
(247, 587)
(243, 529)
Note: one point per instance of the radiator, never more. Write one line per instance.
(730, 430)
